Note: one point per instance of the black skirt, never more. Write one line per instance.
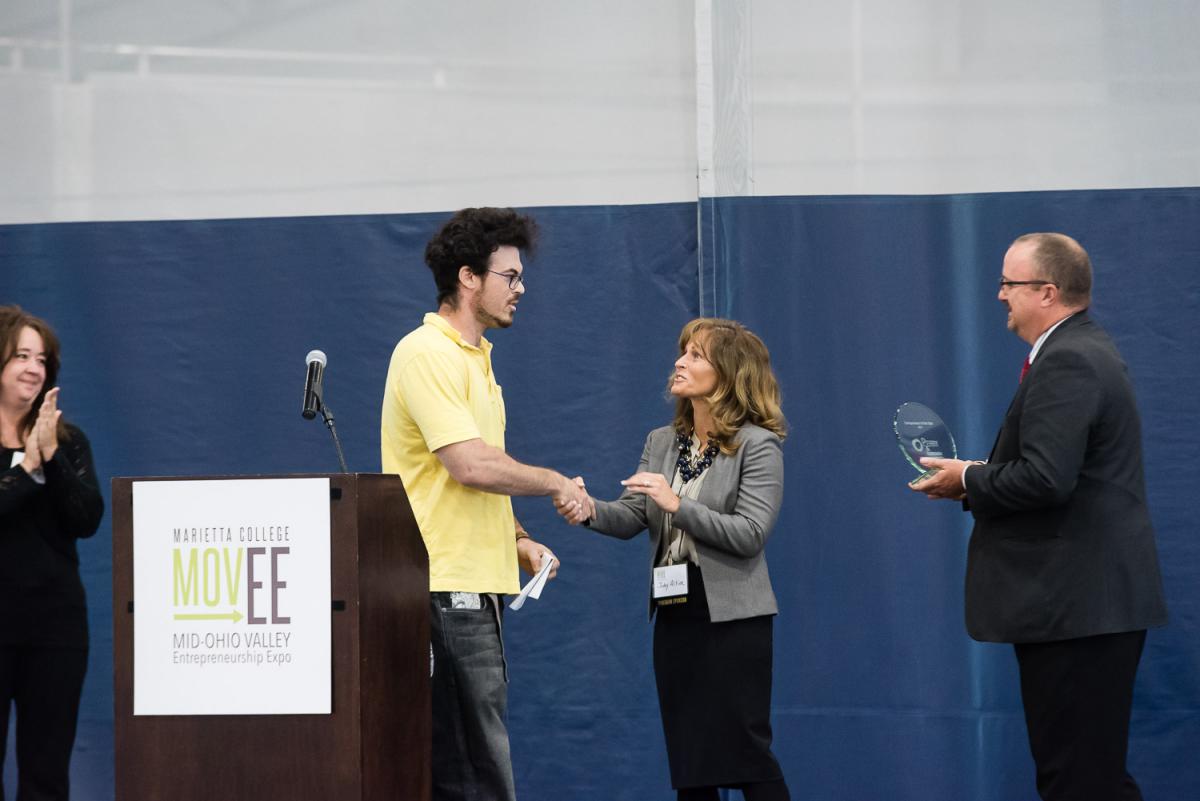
(714, 693)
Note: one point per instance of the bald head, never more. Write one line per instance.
(1063, 262)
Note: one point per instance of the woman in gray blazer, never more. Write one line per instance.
(708, 489)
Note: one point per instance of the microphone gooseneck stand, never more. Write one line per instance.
(327, 416)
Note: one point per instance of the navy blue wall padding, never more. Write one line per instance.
(184, 346)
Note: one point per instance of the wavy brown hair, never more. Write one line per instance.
(746, 390)
(12, 320)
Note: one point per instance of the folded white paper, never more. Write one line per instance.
(534, 588)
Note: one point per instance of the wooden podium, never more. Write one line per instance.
(376, 743)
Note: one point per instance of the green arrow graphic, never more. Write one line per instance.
(233, 616)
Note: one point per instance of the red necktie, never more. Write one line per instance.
(1024, 370)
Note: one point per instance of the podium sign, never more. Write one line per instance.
(232, 581)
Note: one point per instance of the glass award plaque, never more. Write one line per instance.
(921, 432)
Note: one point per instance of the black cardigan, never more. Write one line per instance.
(41, 596)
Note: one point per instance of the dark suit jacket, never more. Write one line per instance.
(1063, 546)
(729, 521)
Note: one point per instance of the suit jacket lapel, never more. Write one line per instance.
(1079, 318)
(715, 481)
(662, 463)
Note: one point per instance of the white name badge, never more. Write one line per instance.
(670, 581)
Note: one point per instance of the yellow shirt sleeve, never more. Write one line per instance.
(434, 390)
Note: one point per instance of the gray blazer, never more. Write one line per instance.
(729, 522)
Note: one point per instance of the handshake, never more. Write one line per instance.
(573, 502)
(576, 506)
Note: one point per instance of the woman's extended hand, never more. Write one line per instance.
(656, 486)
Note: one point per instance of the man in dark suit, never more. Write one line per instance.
(1062, 561)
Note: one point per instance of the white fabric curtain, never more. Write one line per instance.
(132, 109)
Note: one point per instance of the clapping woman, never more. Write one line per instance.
(49, 498)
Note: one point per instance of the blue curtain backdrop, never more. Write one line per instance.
(183, 350)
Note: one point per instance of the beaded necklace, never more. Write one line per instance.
(687, 468)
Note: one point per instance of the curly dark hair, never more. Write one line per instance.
(470, 238)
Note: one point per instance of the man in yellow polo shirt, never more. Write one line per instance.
(443, 432)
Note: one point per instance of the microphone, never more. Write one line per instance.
(312, 384)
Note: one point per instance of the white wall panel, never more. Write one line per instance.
(211, 108)
(939, 96)
(196, 110)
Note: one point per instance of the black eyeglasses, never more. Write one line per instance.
(514, 279)
(1004, 282)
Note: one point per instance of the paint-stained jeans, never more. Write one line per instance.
(471, 760)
